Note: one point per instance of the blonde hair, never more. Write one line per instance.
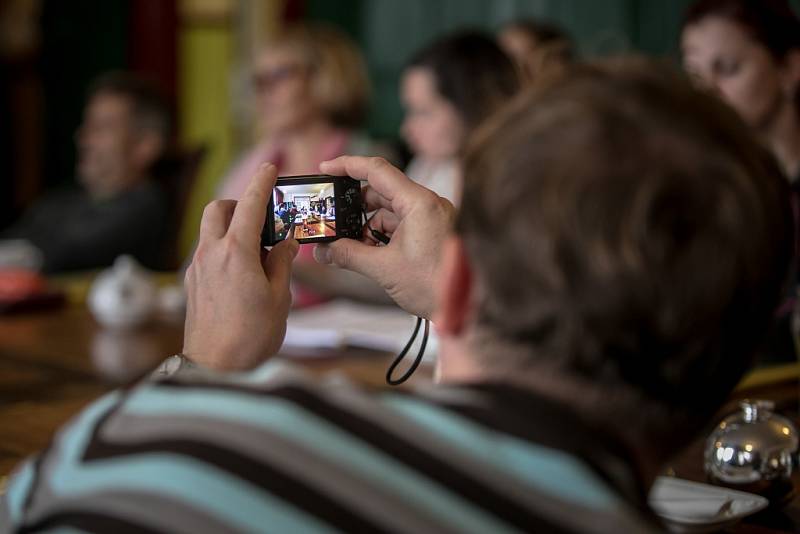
(338, 74)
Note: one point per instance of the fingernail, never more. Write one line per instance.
(322, 254)
(294, 246)
(266, 166)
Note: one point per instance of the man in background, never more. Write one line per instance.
(120, 210)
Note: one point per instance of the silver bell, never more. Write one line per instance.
(753, 450)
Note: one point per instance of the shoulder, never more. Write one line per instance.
(443, 178)
(60, 199)
(226, 452)
(146, 200)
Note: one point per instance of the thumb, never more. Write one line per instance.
(278, 265)
(352, 255)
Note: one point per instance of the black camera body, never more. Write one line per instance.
(313, 209)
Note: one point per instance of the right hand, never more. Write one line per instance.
(238, 295)
(415, 218)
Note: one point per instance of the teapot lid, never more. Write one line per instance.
(756, 410)
(125, 264)
(758, 425)
(751, 445)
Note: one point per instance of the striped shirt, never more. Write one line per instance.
(279, 452)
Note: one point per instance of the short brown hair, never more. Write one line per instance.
(339, 81)
(628, 231)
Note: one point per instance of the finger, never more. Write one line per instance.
(278, 264)
(374, 200)
(354, 256)
(384, 221)
(386, 179)
(216, 219)
(368, 239)
(251, 211)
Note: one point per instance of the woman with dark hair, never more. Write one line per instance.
(447, 89)
(749, 52)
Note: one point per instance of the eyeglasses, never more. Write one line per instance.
(268, 79)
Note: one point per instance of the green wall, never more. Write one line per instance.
(80, 40)
(390, 31)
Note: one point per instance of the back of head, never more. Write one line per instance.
(628, 234)
(772, 23)
(471, 72)
(339, 81)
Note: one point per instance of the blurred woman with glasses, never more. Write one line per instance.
(312, 94)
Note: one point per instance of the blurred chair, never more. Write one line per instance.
(177, 174)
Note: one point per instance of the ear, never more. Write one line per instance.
(791, 73)
(146, 149)
(454, 290)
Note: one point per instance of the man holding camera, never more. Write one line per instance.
(584, 339)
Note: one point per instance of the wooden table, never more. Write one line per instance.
(54, 363)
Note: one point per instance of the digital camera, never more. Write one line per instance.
(313, 209)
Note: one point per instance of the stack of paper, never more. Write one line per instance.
(341, 323)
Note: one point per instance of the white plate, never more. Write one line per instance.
(687, 506)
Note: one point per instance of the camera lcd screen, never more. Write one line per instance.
(304, 211)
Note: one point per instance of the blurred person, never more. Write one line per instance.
(748, 53)
(312, 95)
(646, 271)
(119, 209)
(536, 47)
(447, 89)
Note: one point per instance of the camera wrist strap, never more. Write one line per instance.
(383, 238)
(413, 367)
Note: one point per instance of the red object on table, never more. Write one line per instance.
(26, 290)
(17, 283)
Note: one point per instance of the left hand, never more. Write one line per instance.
(415, 218)
(238, 294)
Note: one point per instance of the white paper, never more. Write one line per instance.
(340, 323)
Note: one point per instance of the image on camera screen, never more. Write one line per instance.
(304, 211)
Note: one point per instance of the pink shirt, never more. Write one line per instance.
(234, 184)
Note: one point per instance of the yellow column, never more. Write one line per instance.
(214, 37)
(205, 52)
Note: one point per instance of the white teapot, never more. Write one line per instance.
(123, 296)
